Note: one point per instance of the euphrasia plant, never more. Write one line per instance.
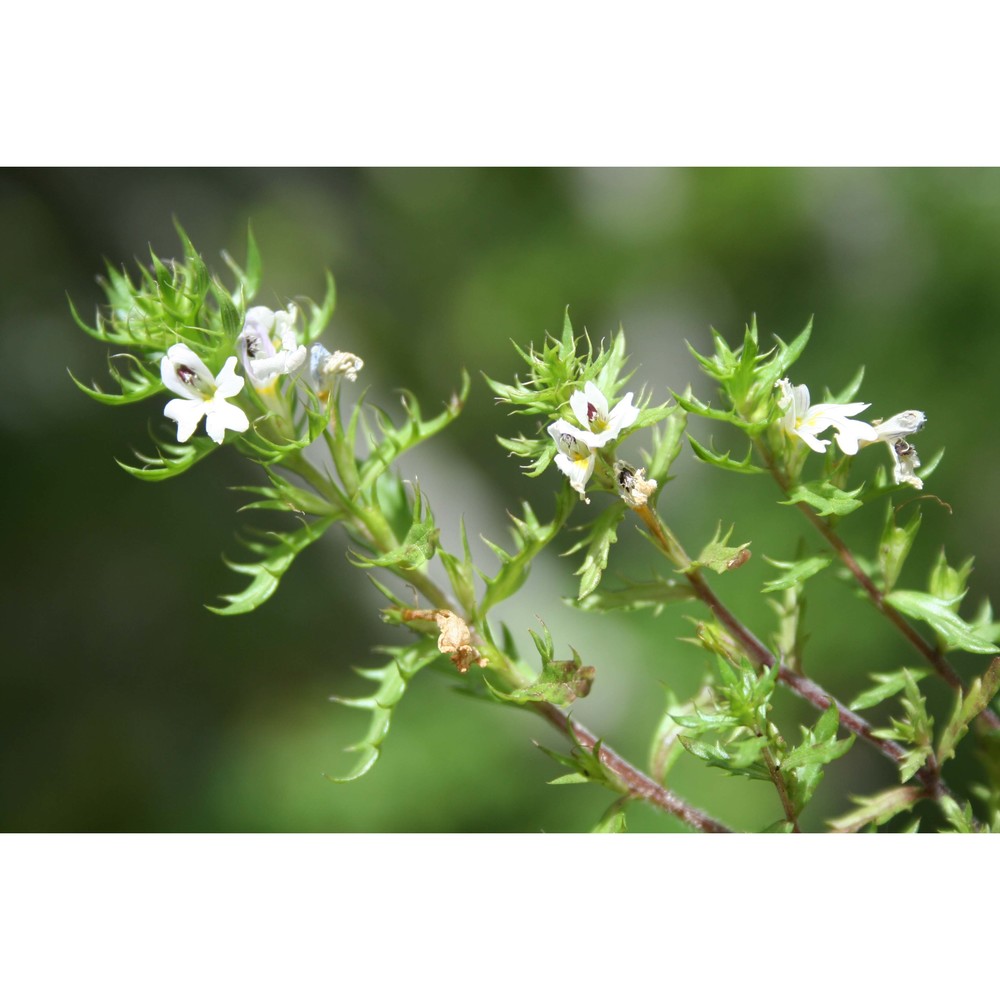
(238, 374)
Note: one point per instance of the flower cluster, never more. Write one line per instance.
(268, 348)
(807, 422)
(577, 446)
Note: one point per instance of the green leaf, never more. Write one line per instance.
(561, 682)
(887, 686)
(795, 572)
(320, 316)
(808, 755)
(981, 692)
(137, 384)
(947, 583)
(284, 496)
(916, 730)
(274, 562)
(784, 358)
(667, 443)
(895, 545)
(393, 680)
(585, 766)
(720, 557)
(397, 440)
(530, 537)
(171, 459)
(825, 498)
(417, 548)
(461, 573)
(666, 748)
(653, 594)
(952, 630)
(723, 461)
(601, 534)
(740, 757)
(613, 820)
(959, 818)
(877, 810)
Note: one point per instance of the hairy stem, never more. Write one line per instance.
(760, 655)
(377, 531)
(934, 656)
(779, 783)
(639, 785)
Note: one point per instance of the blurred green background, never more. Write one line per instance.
(128, 707)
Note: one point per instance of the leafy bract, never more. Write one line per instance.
(392, 680)
(795, 573)
(600, 535)
(825, 498)
(954, 632)
(275, 560)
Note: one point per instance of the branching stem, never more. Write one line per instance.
(934, 656)
(760, 655)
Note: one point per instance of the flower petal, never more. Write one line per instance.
(198, 383)
(187, 413)
(228, 383)
(220, 416)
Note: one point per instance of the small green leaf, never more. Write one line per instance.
(981, 692)
(461, 572)
(667, 443)
(958, 817)
(585, 766)
(887, 686)
(817, 753)
(895, 545)
(795, 572)
(561, 682)
(274, 563)
(739, 757)
(723, 461)
(171, 460)
(949, 584)
(613, 820)
(653, 595)
(392, 680)
(877, 810)
(825, 498)
(954, 632)
(601, 534)
(721, 557)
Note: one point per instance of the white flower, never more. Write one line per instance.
(590, 407)
(269, 345)
(325, 368)
(184, 373)
(575, 458)
(905, 460)
(806, 422)
(902, 424)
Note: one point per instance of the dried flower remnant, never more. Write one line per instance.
(633, 487)
(326, 367)
(455, 639)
